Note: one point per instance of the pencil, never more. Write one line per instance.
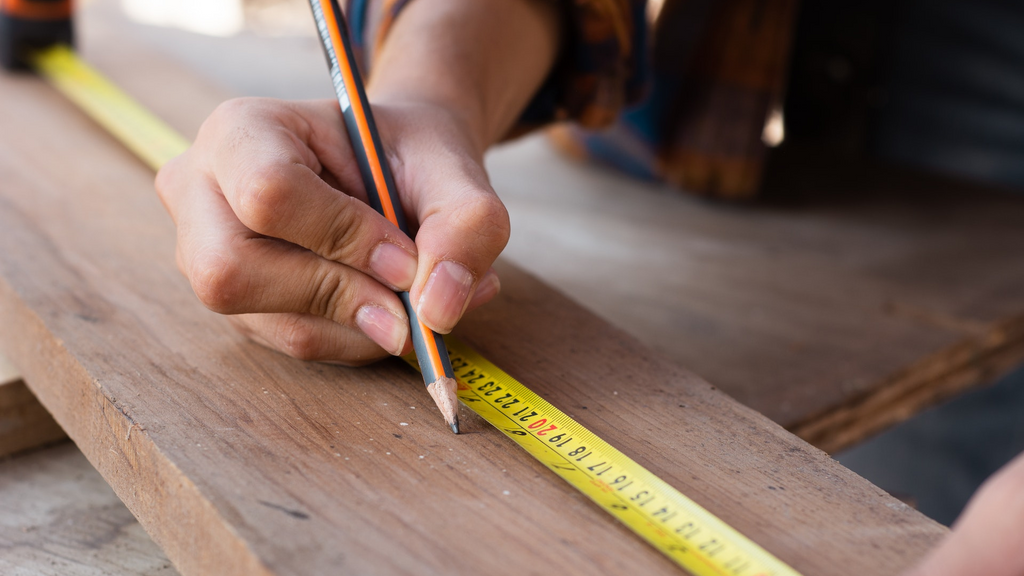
(431, 353)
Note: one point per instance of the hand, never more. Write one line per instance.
(273, 226)
(987, 538)
(272, 221)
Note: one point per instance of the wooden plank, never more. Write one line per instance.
(867, 295)
(58, 517)
(24, 423)
(238, 460)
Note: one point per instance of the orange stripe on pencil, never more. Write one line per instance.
(349, 78)
(431, 352)
(434, 353)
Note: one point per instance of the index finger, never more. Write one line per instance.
(271, 179)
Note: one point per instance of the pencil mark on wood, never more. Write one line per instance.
(293, 513)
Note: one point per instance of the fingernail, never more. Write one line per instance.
(445, 296)
(394, 265)
(488, 288)
(386, 329)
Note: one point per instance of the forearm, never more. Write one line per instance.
(481, 59)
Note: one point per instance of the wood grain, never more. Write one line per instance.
(864, 284)
(58, 517)
(978, 359)
(238, 460)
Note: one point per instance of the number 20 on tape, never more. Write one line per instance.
(677, 526)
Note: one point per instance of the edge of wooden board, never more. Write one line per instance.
(972, 363)
(133, 457)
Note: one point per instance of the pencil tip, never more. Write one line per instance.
(442, 391)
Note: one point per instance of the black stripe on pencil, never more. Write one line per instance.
(431, 352)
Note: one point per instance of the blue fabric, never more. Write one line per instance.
(357, 10)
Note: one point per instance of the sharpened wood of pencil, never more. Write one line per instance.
(431, 352)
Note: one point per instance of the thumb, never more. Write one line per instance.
(463, 227)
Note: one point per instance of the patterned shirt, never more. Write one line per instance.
(678, 90)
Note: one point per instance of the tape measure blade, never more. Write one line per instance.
(687, 533)
(148, 137)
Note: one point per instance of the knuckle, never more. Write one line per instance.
(219, 282)
(262, 196)
(330, 295)
(231, 125)
(300, 340)
(231, 109)
(223, 118)
(486, 217)
(347, 232)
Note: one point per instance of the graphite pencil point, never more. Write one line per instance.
(380, 188)
(443, 391)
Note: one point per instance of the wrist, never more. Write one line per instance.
(464, 115)
(482, 61)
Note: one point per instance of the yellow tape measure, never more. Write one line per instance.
(677, 526)
(138, 129)
(681, 529)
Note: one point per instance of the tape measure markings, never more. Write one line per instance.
(677, 526)
(674, 524)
